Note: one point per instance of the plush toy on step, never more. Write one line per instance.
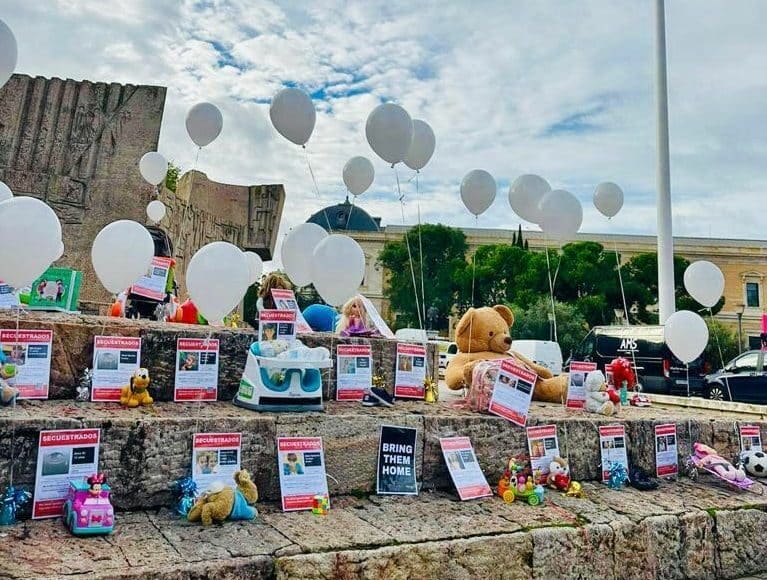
(137, 392)
(221, 502)
(559, 474)
(600, 399)
(754, 462)
(483, 334)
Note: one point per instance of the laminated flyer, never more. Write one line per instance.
(301, 464)
(62, 456)
(464, 468)
(353, 371)
(666, 458)
(544, 447)
(750, 438)
(576, 390)
(395, 474)
(215, 457)
(286, 300)
(277, 325)
(196, 369)
(28, 356)
(115, 358)
(375, 318)
(411, 371)
(8, 297)
(612, 446)
(154, 283)
(512, 392)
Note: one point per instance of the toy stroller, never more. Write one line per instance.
(144, 307)
(706, 458)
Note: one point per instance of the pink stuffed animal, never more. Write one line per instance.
(711, 460)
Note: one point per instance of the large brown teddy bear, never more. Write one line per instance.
(221, 502)
(483, 334)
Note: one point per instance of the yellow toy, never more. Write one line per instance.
(575, 490)
(221, 502)
(137, 392)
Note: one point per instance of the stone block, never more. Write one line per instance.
(740, 542)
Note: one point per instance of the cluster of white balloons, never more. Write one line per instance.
(334, 263)
(395, 137)
(558, 212)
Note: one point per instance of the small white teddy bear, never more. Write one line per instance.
(598, 400)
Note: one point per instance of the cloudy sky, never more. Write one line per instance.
(563, 89)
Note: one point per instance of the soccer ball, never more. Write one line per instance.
(755, 463)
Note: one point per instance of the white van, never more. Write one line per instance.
(447, 350)
(411, 335)
(543, 352)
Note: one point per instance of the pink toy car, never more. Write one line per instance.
(87, 510)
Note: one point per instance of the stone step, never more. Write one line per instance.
(682, 530)
(143, 450)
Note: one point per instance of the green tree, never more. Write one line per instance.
(720, 337)
(533, 323)
(171, 178)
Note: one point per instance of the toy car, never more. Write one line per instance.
(513, 485)
(88, 510)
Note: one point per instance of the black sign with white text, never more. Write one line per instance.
(396, 461)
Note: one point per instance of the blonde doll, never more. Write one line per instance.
(354, 320)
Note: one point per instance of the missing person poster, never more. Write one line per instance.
(196, 369)
(462, 464)
(115, 358)
(353, 371)
(215, 457)
(396, 461)
(62, 456)
(411, 371)
(154, 283)
(286, 300)
(301, 463)
(750, 438)
(27, 355)
(277, 325)
(544, 447)
(666, 458)
(576, 389)
(8, 297)
(612, 445)
(512, 392)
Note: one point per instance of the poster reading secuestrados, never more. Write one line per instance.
(301, 464)
(286, 300)
(411, 371)
(215, 457)
(27, 356)
(464, 468)
(750, 438)
(576, 389)
(612, 446)
(277, 325)
(154, 283)
(353, 373)
(544, 447)
(513, 392)
(115, 358)
(196, 369)
(666, 458)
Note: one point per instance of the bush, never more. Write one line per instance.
(533, 323)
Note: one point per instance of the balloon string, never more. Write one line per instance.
(420, 245)
(409, 251)
(351, 210)
(182, 225)
(625, 307)
(551, 289)
(202, 393)
(13, 408)
(473, 277)
(317, 187)
(721, 355)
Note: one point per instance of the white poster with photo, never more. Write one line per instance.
(277, 325)
(513, 392)
(666, 457)
(612, 445)
(196, 369)
(576, 390)
(62, 456)
(286, 300)
(8, 297)
(411, 371)
(27, 355)
(154, 283)
(301, 464)
(750, 438)
(376, 319)
(353, 371)
(464, 468)
(544, 447)
(215, 457)
(115, 359)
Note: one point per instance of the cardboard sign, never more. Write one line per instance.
(215, 457)
(576, 390)
(612, 446)
(196, 369)
(58, 289)
(750, 438)
(115, 358)
(666, 457)
(411, 371)
(277, 325)
(62, 456)
(464, 469)
(29, 353)
(301, 464)
(354, 375)
(286, 300)
(154, 283)
(513, 392)
(376, 319)
(396, 461)
(543, 444)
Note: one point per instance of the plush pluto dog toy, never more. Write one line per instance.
(483, 334)
(137, 392)
(221, 502)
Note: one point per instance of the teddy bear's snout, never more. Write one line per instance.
(507, 340)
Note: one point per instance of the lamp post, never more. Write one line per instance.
(739, 312)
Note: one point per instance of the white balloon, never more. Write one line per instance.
(525, 196)
(155, 210)
(561, 215)
(204, 123)
(8, 53)
(478, 190)
(5, 192)
(422, 147)
(255, 267)
(389, 130)
(338, 268)
(704, 281)
(122, 252)
(30, 234)
(153, 167)
(293, 115)
(59, 251)
(298, 252)
(608, 198)
(358, 175)
(217, 278)
(686, 334)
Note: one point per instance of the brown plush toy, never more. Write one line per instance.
(484, 334)
(221, 502)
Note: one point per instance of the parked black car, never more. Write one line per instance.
(658, 371)
(746, 377)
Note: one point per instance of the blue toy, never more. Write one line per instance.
(12, 500)
(321, 317)
(88, 511)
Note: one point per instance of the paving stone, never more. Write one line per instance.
(567, 552)
(740, 540)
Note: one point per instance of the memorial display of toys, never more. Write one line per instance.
(8, 393)
(223, 502)
(600, 399)
(559, 474)
(641, 480)
(320, 505)
(83, 389)
(185, 492)
(88, 511)
(754, 462)
(483, 334)
(137, 392)
(706, 458)
(618, 477)
(12, 500)
(280, 376)
(515, 484)
(354, 319)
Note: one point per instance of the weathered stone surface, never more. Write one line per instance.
(740, 542)
(567, 552)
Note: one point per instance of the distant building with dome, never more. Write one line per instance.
(345, 217)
